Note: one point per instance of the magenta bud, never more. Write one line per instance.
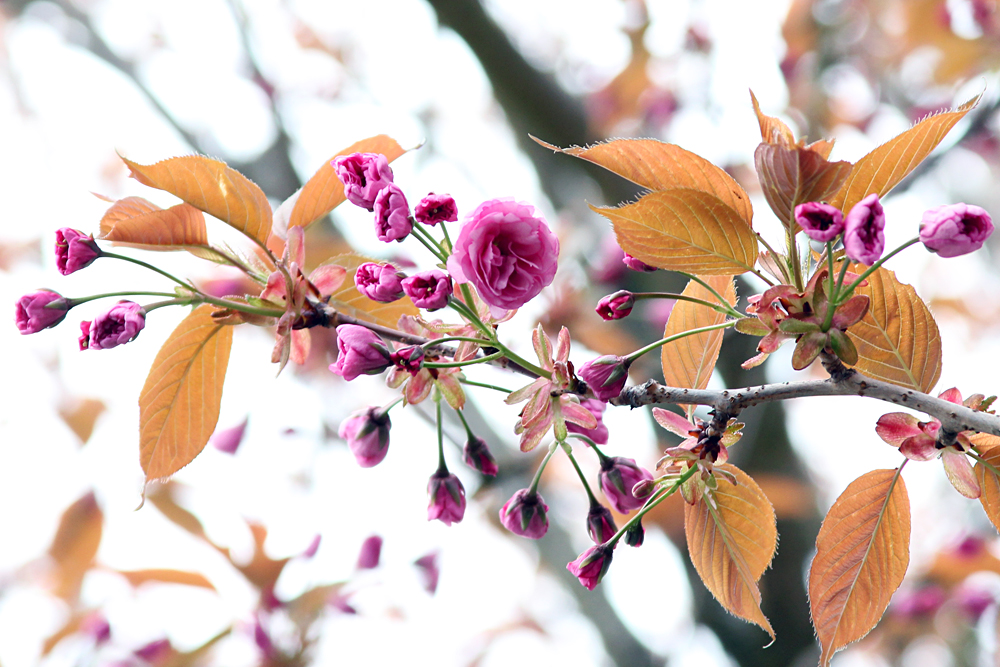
(635, 534)
(379, 282)
(477, 455)
(228, 440)
(591, 566)
(955, 230)
(154, 652)
(40, 310)
(618, 477)
(363, 176)
(447, 498)
(821, 222)
(360, 352)
(616, 306)
(600, 524)
(116, 326)
(864, 238)
(429, 290)
(74, 250)
(371, 551)
(599, 434)
(428, 566)
(433, 209)
(525, 514)
(392, 214)
(367, 434)
(643, 488)
(605, 376)
(637, 265)
(409, 359)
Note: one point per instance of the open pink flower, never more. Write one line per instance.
(955, 230)
(116, 326)
(918, 441)
(429, 289)
(821, 222)
(433, 209)
(507, 252)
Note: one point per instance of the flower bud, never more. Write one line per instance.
(429, 290)
(409, 359)
(363, 176)
(228, 440)
(599, 434)
(379, 282)
(635, 534)
(433, 209)
(605, 376)
(821, 222)
(591, 566)
(392, 214)
(477, 455)
(74, 250)
(428, 566)
(600, 524)
(447, 498)
(371, 550)
(525, 514)
(618, 476)
(40, 310)
(864, 239)
(644, 488)
(955, 230)
(360, 352)
(117, 326)
(637, 265)
(616, 306)
(367, 434)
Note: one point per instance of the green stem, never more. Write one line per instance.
(840, 280)
(236, 305)
(169, 302)
(151, 268)
(85, 299)
(874, 267)
(520, 361)
(669, 339)
(793, 255)
(448, 339)
(442, 467)
(470, 305)
(774, 255)
(447, 238)
(421, 235)
(471, 317)
(470, 362)
(468, 430)
(538, 473)
(583, 479)
(485, 386)
(711, 289)
(658, 496)
(725, 310)
(985, 463)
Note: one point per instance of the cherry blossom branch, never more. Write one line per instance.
(843, 381)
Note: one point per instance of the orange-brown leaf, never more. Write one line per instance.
(162, 229)
(660, 166)
(213, 187)
(883, 168)
(688, 362)
(81, 416)
(350, 301)
(898, 340)
(324, 192)
(166, 576)
(989, 482)
(685, 230)
(862, 551)
(124, 209)
(179, 404)
(793, 176)
(732, 544)
(772, 130)
(75, 545)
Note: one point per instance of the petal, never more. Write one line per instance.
(328, 278)
(919, 448)
(960, 473)
(562, 345)
(755, 361)
(295, 245)
(952, 395)
(673, 422)
(532, 436)
(301, 342)
(896, 427)
(851, 311)
(576, 413)
(543, 347)
(451, 389)
(525, 392)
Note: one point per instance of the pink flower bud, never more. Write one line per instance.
(599, 434)
(507, 252)
(429, 290)
(447, 498)
(359, 352)
(920, 603)
(617, 477)
(864, 239)
(74, 250)
(96, 625)
(477, 455)
(955, 230)
(433, 209)
(429, 568)
(379, 282)
(363, 175)
(371, 551)
(525, 514)
(600, 524)
(973, 601)
(392, 214)
(40, 310)
(637, 265)
(821, 222)
(605, 376)
(409, 359)
(367, 434)
(228, 440)
(591, 566)
(154, 652)
(615, 306)
(117, 326)
(635, 535)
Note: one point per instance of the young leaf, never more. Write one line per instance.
(179, 404)
(689, 361)
(661, 166)
(989, 482)
(793, 176)
(862, 551)
(685, 230)
(214, 188)
(160, 229)
(350, 301)
(897, 340)
(772, 130)
(883, 168)
(324, 192)
(75, 545)
(124, 209)
(732, 544)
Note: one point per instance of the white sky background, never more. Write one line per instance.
(60, 146)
